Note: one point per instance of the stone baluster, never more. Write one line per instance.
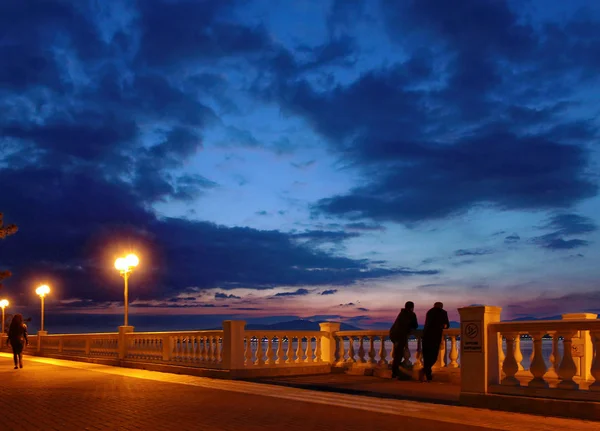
(554, 358)
(248, 352)
(290, 350)
(185, 353)
(440, 363)
(567, 368)
(211, 349)
(189, 353)
(595, 370)
(371, 359)
(501, 356)
(193, 348)
(350, 349)
(341, 350)
(270, 353)
(219, 346)
(538, 365)
(453, 352)
(203, 351)
(181, 352)
(510, 365)
(518, 353)
(532, 354)
(309, 349)
(280, 358)
(318, 352)
(260, 354)
(407, 355)
(361, 350)
(382, 352)
(299, 353)
(419, 355)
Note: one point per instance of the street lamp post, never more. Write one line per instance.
(3, 305)
(42, 291)
(125, 265)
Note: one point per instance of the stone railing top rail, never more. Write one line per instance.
(546, 325)
(168, 333)
(84, 335)
(385, 333)
(284, 332)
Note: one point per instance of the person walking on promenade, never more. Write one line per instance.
(399, 332)
(17, 337)
(436, 321)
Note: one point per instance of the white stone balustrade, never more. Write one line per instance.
(564, 358)
(374, 349)
(190, 348)
(282, 348)
(90, 345)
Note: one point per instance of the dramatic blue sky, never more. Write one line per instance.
(310, 158)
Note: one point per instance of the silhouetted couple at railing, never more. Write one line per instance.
(436, 320)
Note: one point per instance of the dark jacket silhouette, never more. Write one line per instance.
(436, 321)
(17, 337)
(404, 323)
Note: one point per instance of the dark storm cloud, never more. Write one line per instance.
(564, 227)
(299, 292)
(329, 292)
(221, 295)
(475, 116)
(365, 226)
(511, 239)
(191, 31)
(97, 128)
(473, 252)
(323, 236)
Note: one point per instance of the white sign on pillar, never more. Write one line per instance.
(471, 338)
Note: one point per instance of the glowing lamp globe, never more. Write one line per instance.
(3, 303)
(121, 264)
(43, 290)
(132, 260)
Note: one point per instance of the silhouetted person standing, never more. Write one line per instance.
(17, 337)
(405, 322)
(433, 331)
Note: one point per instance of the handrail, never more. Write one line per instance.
(385, 332)
(88, 334)
(295, 333)
(546, 325)
(165, 333)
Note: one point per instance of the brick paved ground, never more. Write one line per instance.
(50, 394)
(435, 392)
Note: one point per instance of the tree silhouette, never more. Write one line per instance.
(11, 229)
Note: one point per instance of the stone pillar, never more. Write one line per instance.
(582, 348)
(123, 340)
(478, 353)
(328, 341)
(233, 345)
(40, 335)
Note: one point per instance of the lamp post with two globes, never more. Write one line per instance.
(42, 291)
(3, 305)
(125, 265)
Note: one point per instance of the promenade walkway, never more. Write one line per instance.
(50, 394)
(387, 388)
